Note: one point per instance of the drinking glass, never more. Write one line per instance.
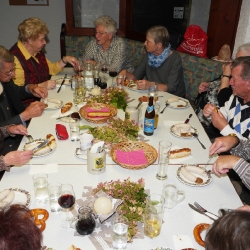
(119, 232)
(104, 67)
(157, 110)
(54, 193)
(80, 66)
(66, 201)
(74, 125)
(120, 81)
(113, 73)
(153, 90)
(163, 159)
(40, 182)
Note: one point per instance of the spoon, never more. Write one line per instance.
(167, 104)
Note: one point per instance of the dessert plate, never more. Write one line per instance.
(183, 130)
(53, 103)
(177, 103)
(66, 83)
(206, 180)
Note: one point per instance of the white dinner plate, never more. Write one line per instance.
(177, 103)
(22, 197)
(206, 180)
(53, 103)
(39, 153)
(81, 154)
(179, 131)
(132, 86)
(66, 83)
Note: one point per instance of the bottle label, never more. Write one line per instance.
(150, 109)
(127, 116)
(149, 125)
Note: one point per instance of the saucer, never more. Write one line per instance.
(81, 154)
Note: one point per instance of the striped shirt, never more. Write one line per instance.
(242, 168)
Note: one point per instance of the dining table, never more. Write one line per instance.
(63, 165)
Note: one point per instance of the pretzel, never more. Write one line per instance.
(197, 232)
(40, 222)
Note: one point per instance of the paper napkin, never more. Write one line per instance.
(131, 158)
(48, 168)
(179, 160)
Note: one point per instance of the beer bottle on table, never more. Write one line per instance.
(149, 117)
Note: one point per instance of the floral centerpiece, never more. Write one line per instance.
(133, 196)
(114, 96)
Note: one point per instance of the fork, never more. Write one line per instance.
(103, 243)
(203, 209)
(167, 104)
(196, 136)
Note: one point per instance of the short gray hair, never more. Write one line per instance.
(159, 34)
(244, 47)
(108, 22)
(244, 62)
(5, 56)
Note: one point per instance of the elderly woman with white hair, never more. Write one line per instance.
(107, 47)
(160, 64)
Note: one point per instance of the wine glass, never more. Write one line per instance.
(79, 69)
(66, 200)
(104, 67)
(113, 73)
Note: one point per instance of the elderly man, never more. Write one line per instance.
(12, 110)
(107, 47)
(234, 117)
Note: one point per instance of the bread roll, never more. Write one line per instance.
(52, 141)
(66, 107)
(178, 153)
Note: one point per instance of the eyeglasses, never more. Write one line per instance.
(8, 73)
(100, 33)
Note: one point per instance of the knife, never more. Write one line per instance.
(197, 210)
(188, 118)
(41, 145)
(65, 76)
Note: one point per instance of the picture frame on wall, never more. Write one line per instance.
(29, 2)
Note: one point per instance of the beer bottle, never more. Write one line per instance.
(149, 117)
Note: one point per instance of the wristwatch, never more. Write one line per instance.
(229, 77)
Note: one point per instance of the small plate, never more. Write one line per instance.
(176, 131)
(81, 154)
(66, 83)
(177, 103)
(206, 180)
(21, 197)
(53, 103)
(40, 153)
(132, 86)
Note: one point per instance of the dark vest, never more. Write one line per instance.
(34, 72)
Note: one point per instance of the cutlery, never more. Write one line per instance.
(197, 210)
(41, 145)
(130, 100)
(196, 136)
(30, 138)
(167, 104)
(188, 118)
(203, 209)
(139, 104)
(65, 76)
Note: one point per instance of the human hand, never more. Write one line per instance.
(142, 84)
(244, 208)
(226, 69)
(218, 120)
(208, 109)
(17, 157)
(203, 87)
(223, 144)
(49, 84)
(224, 163)
(35, 109)
(18, 129)
(37, 91)
(71, 60)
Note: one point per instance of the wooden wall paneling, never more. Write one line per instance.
(222, 25)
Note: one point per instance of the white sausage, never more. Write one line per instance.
(188, 175)
(4, 194)
(196, 170)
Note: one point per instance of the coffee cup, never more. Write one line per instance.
(133, 114)
(85, 141)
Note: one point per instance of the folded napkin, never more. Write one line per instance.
(48, 168)
(59, 114)
(182, 242)
(131, 158)
(179, 160)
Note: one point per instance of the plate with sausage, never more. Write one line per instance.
(53, 103)
(183, 130)
(193, 175)
(177, 103)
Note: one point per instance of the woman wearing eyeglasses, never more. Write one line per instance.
(107, 47)
(31, 65)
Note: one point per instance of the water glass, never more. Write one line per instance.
(153, 216)
(55, 189)
(120, 81)
(153, 90)
(40, 182)
(172, 195)
(74, 125)
(163, 159)
(157, 110)
(119, 232)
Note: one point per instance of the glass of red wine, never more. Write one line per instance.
(113, 73)
(66, 201)
(104, 67)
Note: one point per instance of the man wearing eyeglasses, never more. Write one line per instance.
(107, 47)
(12, 110)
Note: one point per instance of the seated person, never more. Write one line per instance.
(31, 64)
(107, 47)
(12, 110)
(160, 64)
(230, 231)
(217, 92)
(14, 157)
(234, 117)
(18, 230)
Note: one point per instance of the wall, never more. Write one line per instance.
(12, 15)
